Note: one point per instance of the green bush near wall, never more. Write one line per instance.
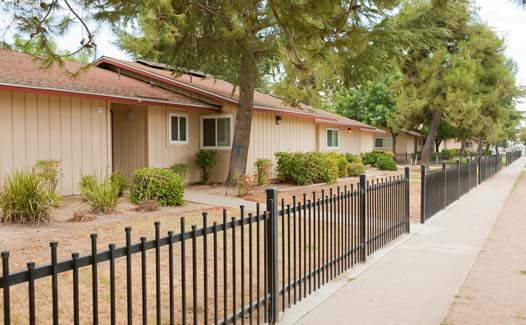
(161, 185)
(386, 163)
(370, 158)
(307, 168)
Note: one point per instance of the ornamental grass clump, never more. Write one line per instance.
(26, 198)
(102, 197)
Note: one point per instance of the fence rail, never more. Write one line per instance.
(443, 186)
(246, 268)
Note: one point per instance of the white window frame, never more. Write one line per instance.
(327, 138)
(178, 115)
(383, 147)
(215, 117)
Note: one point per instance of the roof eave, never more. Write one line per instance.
(109, 97)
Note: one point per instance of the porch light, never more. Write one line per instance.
(349, 130)
(278, 120)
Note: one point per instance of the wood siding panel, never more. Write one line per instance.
(42, 126)
(129, 137)
(295, 134)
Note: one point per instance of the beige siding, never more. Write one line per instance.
(295, 134)
(346, 142)
(366, 141)
(162, 154)
(40, 126)
(129, 137)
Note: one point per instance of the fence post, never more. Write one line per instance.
(444, 177)
(363, 219)
(407, 202)
(458, 178)
(5, 275)
(469, 170)
(272, 255)
(422, 193)
(478, 170)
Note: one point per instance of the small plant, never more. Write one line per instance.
(161, 185)
(147, 206)
(25, 198)
(343, 166)
(81, 216)
(180, 169)
(386, 163)
(263, 168)
(243, 184)
(206, 159)
(102, 197)
(118, 179)
(356, 169)
(50, 173)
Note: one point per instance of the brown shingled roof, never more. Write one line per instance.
(25, 72)
(223, 91)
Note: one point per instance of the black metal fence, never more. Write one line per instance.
(247, 268)
(442, 186)
(436, 158)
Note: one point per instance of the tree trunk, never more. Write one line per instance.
(393, 136)
(437, 145)
(496, 149)
(427, 150)
(487, 148)
(462, 147)
(247, 85)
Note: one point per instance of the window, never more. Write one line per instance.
(332, 138)
(383, 143)
(177, 128)
(216, 131)
(469, 145)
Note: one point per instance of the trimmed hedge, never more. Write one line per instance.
(307, 168)
(161, 185)
(386, 163)
(352, 158)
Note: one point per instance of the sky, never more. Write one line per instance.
(502, 15)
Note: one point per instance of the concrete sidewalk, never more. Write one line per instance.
(417, 281)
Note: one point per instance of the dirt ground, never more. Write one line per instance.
(493, 292)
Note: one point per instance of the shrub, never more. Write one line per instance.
(450, 152)
(343, 165)
(243, 184)
(356, 169)
(118, 179)
(370, 158)
(180, 169)
(263, 168)
(161, 185)
(102, 197)
(351, 158)
(206, 159)
(25, 198)
(307, 168)
(386, 163)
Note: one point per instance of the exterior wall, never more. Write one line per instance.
(129, 137)
(455, 144)
(405, 143)
(295, 134)
(346, 142)
(162, 154)
(366, 141)
(40, 126)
